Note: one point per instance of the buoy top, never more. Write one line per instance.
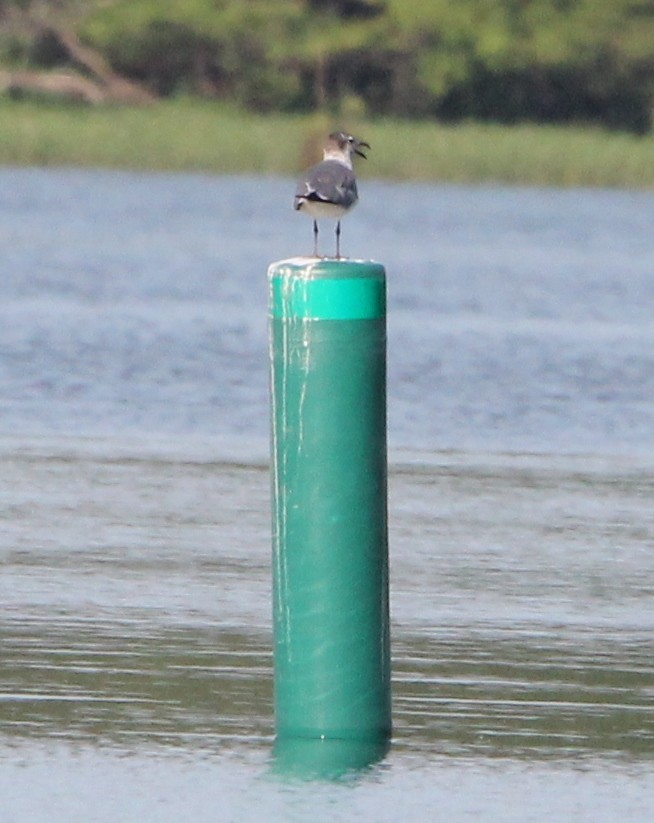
(322, 289)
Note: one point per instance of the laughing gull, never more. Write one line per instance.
(329, 189)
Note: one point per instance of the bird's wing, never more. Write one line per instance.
(329, 182)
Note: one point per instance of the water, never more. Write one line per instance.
(135, 665)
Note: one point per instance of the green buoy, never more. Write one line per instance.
(329, 488)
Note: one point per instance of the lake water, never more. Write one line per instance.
(135, 628)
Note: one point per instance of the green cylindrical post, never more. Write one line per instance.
(329, 466)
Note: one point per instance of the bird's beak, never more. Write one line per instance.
(357, 149)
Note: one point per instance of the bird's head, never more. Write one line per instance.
(343, 143)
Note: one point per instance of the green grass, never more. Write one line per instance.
(187, 135)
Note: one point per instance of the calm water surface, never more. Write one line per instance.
(135, 637)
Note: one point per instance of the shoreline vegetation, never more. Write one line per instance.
(186, 135)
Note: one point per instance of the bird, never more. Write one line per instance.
(329, 189)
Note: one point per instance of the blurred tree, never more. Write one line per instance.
(547, 60)
(213, 47)
(507, 60)
(335, 50)
(289, 54)
(41, 33)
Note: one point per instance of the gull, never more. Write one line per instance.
(329, 189)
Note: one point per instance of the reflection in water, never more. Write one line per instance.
(324, 759)
(121, 685)
(136, 643)
(464, 692)
(525, 694)
(117, 634)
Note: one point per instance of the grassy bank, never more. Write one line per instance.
(197, 136)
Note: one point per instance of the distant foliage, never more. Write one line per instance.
(501, 60)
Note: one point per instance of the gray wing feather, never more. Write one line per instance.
(330, 182)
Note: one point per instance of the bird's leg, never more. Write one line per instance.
(338, 240)
(315, 238)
